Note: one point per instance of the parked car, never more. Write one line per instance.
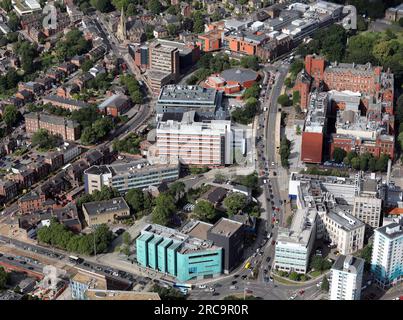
(202, 286)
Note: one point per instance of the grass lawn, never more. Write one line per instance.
(315, 274)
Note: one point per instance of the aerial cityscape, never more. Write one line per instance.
(201, 150)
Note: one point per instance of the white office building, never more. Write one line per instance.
(193, 142)
(346, 278)
(294, 244)
(387, 254)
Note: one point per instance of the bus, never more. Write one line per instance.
(182, 286)
(76, 260)
(247, 265)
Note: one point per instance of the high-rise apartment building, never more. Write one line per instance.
(387, 254)
(346, 278)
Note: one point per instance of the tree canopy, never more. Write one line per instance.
(235, 202)
(204, 211)
(164, 209)
(3, 278)
(44, 140)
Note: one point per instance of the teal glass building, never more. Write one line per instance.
(182, 256)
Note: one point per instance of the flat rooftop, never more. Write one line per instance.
(101, 207)
(392, 231)
(352, 263)
(187, 94)
(197, 229)
(94, 281)
(345, 220)
(93, 294)
(226, 227)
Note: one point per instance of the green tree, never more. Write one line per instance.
(285, 150)
(164, 209)
(288, 82)
(362, 25)
(126, 238)
(3, 278)
(339, 154)
(251, 62)
(135, 199)
(355, 163)
(101, 5)
(296, 98)
(284, 100)
(155, 6)
(366, 254)
(294, 276)
(204, 211)
(198, 22)
(382, 162)
(168, 293)
(6, 5)
(10, 115)
(87, 65)
(44, 140)
(296, 67)
(177, 190)
(235, 202)
(325, 284)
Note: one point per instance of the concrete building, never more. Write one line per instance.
(26, 7)
(387, 254)
(115, 105)
(108, 211)
(294, 244)
(85, 280)
(126, 176)
(195, 142)
(346, 278)
(342, 230)
(67, 129)
(178, 254)
(179, 99)
(164, 65)
(315, 128)
(229, 235)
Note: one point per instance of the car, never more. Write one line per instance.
(23, 262)
(211, 289)
(85, 264)
(115, 274)
(216, 293)
(98, 268)
(236, 276)
(1, 254)
(319, 284)
(268, 259)
(10, 258)
(31, 268)
(274, 173)
(233, 287)
(273, 242)
(265, 271)
(107, 271)
(234, 282)
(202, 286)
(244, 277)
(301, 292)
(143, 283)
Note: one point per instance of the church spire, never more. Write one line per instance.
(122, 26)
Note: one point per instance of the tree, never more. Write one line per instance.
(285, 150)
(44, 140)
(298, 130)
(284, 100)
(362, 24)
(235, 202)
(339, 154)
(288, 82)
(164, 208)
(320, 264)
(172, 29)
(294, 276)
(296, 98)
(87, 65)
(355, 163)
(382, 162)
(296, 67)
(155, 6)
(198, 22)
(168, 293)
(325, 284)
(101, 5)
(10, 115)
(3, 278)
(6, 5)
(366, 254)
(204, 211)
(135, 199)
(177, 190)
(126, 238)
(251, 62)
